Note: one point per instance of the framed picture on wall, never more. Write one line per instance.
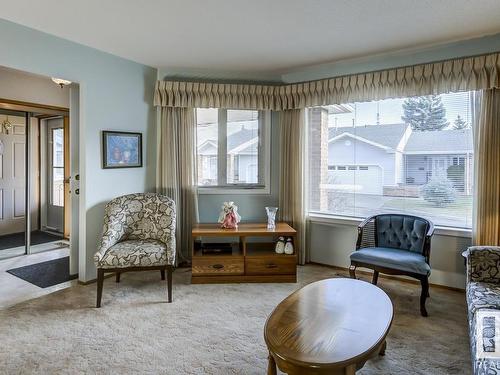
(121, 150)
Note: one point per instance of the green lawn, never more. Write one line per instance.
(460, 209)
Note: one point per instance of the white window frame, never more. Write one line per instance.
(264, 159)
(323, 218)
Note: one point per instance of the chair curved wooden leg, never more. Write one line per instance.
(352, 271)
(170, 269)
(423, 296)
(375, 278)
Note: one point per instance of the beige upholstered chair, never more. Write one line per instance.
(138, 235)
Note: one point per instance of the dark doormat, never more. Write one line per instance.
(45, 274)
(38, 237)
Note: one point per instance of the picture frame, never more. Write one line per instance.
(121, 149)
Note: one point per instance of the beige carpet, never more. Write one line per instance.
(208, 329)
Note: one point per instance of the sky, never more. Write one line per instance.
(391, 111)
(207, 122)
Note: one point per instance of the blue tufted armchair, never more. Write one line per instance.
(397, 245)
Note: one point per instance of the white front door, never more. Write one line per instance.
(12, 175)
(439, 167)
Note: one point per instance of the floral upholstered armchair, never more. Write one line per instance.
(483, 305)
(138, 235)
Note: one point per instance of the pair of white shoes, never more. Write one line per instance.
(283, 246)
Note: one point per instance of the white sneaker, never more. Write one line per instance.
(280, 245)
(289, 246)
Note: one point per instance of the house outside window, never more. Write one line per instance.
(409, 155)
(232, 150)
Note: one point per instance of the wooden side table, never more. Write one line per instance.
(248, 262)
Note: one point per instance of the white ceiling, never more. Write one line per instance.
(266, 36)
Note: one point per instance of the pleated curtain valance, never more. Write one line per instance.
(471, 73)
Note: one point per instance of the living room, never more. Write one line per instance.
(316, 183)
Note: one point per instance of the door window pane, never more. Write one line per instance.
(57, 167)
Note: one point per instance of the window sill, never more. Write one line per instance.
(325, 219)
(223, 190)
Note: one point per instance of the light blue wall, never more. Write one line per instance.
(471, 47)
(332, 244)
(115, 94)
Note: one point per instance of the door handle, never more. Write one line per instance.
(218, 266)
(271, 265)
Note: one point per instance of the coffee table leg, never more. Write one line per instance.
(350, 370)
(382, 348)
(271, 365)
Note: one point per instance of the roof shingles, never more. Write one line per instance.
(446, 141)
(386, 135)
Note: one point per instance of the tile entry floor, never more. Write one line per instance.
(14, 290)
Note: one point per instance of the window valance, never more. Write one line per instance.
(471, 73)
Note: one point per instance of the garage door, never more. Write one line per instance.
(364, 179)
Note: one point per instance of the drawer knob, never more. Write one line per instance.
(271, 265)
(218, 266)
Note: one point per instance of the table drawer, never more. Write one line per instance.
(218, 265)
(272, 265)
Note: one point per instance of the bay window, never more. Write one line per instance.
(409, 155)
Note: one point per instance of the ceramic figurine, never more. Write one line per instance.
(229, 217)
(289, 246)
(280, 245)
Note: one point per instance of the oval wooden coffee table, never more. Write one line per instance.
(328, 327)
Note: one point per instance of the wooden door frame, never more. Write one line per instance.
(38, 110)
(31, 110)
(67, 177)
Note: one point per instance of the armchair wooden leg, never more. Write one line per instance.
(170, 269)
(100, 281)
(118, 277)
(423, 296)
(162, 274)
(375, 277)
(352, 271)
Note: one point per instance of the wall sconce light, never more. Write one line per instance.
(61, 82)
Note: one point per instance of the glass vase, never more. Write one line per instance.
(271, 217)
